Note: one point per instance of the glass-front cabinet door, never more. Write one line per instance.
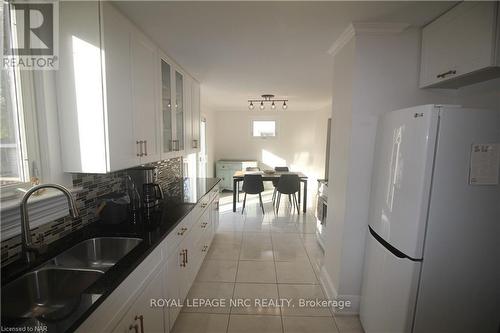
(179, 111)
(166, 102)
(173, 108)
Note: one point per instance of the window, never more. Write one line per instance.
(18, 131)
(263, 128)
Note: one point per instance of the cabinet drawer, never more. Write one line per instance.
(200, 207)
(205, 222)
(214, 193)
(175, 237)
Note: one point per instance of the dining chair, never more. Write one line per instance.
(253, 184)
(275, 181)
(247, 169)
(288, 184)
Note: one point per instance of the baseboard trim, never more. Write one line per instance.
(327, 284)
(331, 293)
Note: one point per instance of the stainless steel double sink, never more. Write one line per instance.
(59, 283)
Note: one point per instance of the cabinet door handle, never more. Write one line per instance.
(139, 148)
(145, 147)
(186, 256)
(134, 327)
(141, 320)
(443, 75)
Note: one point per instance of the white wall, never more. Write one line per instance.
(300, 142)
(383, 76)
(340, 142)
(209, 116)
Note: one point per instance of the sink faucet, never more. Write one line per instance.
(29, 248)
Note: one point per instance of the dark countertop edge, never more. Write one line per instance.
(125, 270)
(137, 262)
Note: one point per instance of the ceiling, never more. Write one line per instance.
(240, 50)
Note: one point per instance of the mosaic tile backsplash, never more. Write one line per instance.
(93, 186)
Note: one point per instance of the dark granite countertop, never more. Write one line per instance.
(152, 228)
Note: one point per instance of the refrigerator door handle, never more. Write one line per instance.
(389, 247)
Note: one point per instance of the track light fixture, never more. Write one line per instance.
(267, 98)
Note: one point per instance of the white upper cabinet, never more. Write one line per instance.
(461, 47)
(145, 100)
(195, 116)
(179, 109)
(122, 150)
(121, 101)
(167, 117)
(188, 113)
(175, 108)
(179, 106)
(85, 120)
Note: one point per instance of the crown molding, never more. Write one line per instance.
(343, 39)
(368, 28)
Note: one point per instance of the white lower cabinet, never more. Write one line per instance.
(214, 208)
(142, 317)
(171, 283)
(188, 259)
(114, 311)
(184, 263)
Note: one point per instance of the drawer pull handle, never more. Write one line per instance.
(183, 230)
(184, 258)
(443, 75)
(141, 320)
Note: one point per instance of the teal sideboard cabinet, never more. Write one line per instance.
(225, 170)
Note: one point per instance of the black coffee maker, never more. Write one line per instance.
(144, 178)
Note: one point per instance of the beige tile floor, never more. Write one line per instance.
(255, 256)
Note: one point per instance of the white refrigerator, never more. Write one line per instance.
(432, 257)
